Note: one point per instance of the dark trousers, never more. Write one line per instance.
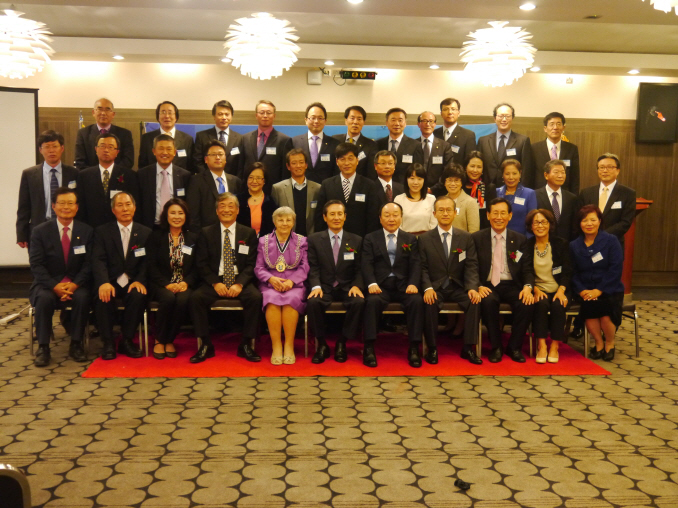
(542, 321)
(456, 295)
(413, 305)
(46, 301)
(172, 313)
(135, 305)
(506, 292)
(354, 305)
(202, 299)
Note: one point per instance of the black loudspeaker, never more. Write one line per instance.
(657, 117)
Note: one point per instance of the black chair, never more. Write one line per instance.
(14, 489)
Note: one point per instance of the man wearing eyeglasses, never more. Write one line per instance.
(222, 112)
(167, 114)
(462, 141)
(318, 146)
(408, 150)
(555, 147)
(85, 153)
(555, 198)
(354, 118)
(437, 153)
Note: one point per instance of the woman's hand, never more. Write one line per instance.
(590, 294)
(560, 296)
(539, 294)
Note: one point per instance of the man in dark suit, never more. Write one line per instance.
(318, 146)
(119, 271)
(85, 143)
(506, 144)
(97, 185)
(222, 112)
(555, 147)
(407, 150)
(355, 117)
(298, 192)
(60, 255)
(462, 141)
(449, 273)
(437, 153)
(359, 194)
(335, 275)
(38, 183)
(384, 166)
(265, 145)
(161, 181)
(507, 278)
(560, 202)
(227, 253)
(206, 186)
(392, 273)
(167, 114)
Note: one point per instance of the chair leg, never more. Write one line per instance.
(305, 336)
(530, 338)
(635, 322)
(86, 336)
(146, 331)
(31, 321)
(586, 342)
(479, 346)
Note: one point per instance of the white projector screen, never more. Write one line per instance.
(18, 134)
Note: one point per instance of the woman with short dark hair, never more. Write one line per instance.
(467, 213)
(477, 186)
(522, 199)
(416, 202)
(256, 207)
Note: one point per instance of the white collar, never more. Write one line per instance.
(384, 183)
(386, 233)
(158, 169)
(550, 191)
(398, 139)
(231, 228)
(222, 175)
(320, 135)
(129, 226)
(225, 131)
(171, 133)
(609, 187)
(109, 168)
(550, 143)
(441, 231)
(430, 138)
(350, 179)
(502, 234)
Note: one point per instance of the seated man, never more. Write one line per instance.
(119, 270)
(449, 273)
(507, 278)
(60, 254)
(226, 272)
(392, 273)
(335, 275)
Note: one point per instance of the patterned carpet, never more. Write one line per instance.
(542, 442)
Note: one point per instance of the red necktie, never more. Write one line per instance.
(66, 247)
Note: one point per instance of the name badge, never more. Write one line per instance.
(617, 205)
(243, 249)
(597, 257)
(438, 159)
(270, 150)
(114, 192)
(360, 197)
(181, 192)
(325, 157)
(141, 251)
(511, 152)
(314, 204)
(557, 269)
(185, 249)
(235, 150)
(519, 201)
(462, 256)
(455, 148)
(79, 249)
(567, 162)
(361, 156)
(349, 256)
(181, 153)
(72, 184)
(518, 255)
(407, 159)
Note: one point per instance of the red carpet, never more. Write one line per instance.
(391, 355)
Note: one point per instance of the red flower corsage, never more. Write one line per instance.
(458, 251)
(135, 247)
(121, 179)
(350, 249)
(512, 255)
(407, 247)
(241, 242)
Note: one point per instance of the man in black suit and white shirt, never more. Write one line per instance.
(437, 153)
(335, 275)
(60, 255)
(119, 271)
(556, 199)
(355, 117)
(384, 166)
(85, 143)
(167, 114)
(222, 112)
(318, 146)
(555, 147)
(407, 150)
(462, 141)
(505, 278)
(38, 183)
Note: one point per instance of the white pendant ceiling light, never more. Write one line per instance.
(665, 5)
(23, 45)
(261, 46)
(499, 55)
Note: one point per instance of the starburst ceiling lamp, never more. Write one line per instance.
(261, 46)
(665, 5)
(499, 55)
(23, 45)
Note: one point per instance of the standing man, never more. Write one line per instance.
(39, 183)
(318, 146)
(299, 193)
(555, 147)
(161, 181)
(85, 143)
(506, 144)
(222, 112)
(437, 153)
(167, 114)
(462, 141)
(355, 117)
(335, 275)
(555, 198)
(60, 257)
(407, 150)
(384, 166)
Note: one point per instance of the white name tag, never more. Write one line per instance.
(511, 152)
(518, 255)
(407, 159)
(361, 156)
(597, 257)
(114, 192)
(181, 153)
(567, 162)
(187, 250)
(270, 150)
(617, 205)
(349, 256)
(455, 148)
(243, 249)
(360, 197)
(79, 249)
(181, 192)
(438, 159)
(325, 157)
(141, 251)
(556, 270)
(235, 150)
(519, 201)
(314, 204)
(72, 184)
(462, 256)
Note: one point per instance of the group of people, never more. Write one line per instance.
(289, 225)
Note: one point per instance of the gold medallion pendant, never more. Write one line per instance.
(280, 264)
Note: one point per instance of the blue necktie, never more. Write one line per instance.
(391, 248)
(53, 183)
(221, 187)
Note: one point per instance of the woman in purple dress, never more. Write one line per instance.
(282, 269)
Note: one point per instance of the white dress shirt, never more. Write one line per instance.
(223, 179)
(158, 187)
(169, 133)
(123, 280)
(609, 189)
(559, 196)
(550, 144)
(506, 274)
(397, 140)
(450, 130)
(351, 179)
(318, 142)
(430, 141)
(384, 183)
(231, 237)
(46, 182)
(110, 172)
(69, 233)
(506, 140)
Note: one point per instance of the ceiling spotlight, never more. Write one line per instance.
(329, 62)
(535, 69)
(634, 71)
(355, 1)
(118, 57)
(528, 7)
(434, 66)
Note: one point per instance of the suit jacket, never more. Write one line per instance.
(440, 151)
(210, 252)
(408, 147)
(147, 188)
(567, 227)
(202, 138)
(436, 269)
(108, 259)
(202, 198)
(267, 208)
(521, 270)
(283, 195)
(376, 264)
(95, 207)
(362, 216)
(618, 220)
(323, 168)
(31, 210)
(492, 165)
(560, 255)
(86, 156)
(47, 257)
(368, 149)
(324, 273)
(159, 268)
(569, 153)
(278, 144)
(182, 141)
(397, 188)
(462, 141)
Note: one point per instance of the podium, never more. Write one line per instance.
(642, 204)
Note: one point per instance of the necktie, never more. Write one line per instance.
(389, 193)
(447, 134)
(501, 151)
(554, 152)
(220, 188)
(165, 192)
(53, 183)
(350, 140)
(125, 240)
(222, 137)
(427, 151)
(555, 206)
(314, 150)
(261, 144)
(602, 200)
(446, 249)
(66, 248)
(107, 177)
(497, 261)
(103, 131)
(394, 147)
(347, 189)
(391, 248)
(229, 261)
(335, 249)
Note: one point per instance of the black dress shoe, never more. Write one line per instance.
(595, 354)
(515, 355)
(170, 354)
(245, 351)
(431, 355)
(108, 352)
(413, 357)
(321, 354)
(495, 355)
(340, 352)
(577, 332)
(42, 356)
(608, 356)
(159, 356)
(471, 356)
(129, 348)
(369, 358)
(203, 354)
(76, 352)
